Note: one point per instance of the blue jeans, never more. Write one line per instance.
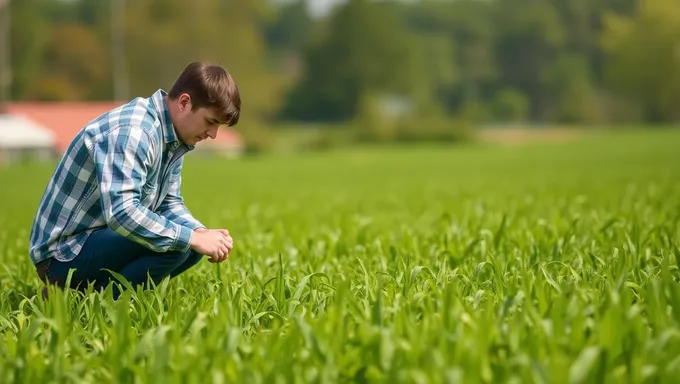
(106, 249)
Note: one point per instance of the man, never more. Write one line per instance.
(114, 199)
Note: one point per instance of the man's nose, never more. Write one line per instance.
(213, 133)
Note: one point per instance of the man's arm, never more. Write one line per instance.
(122, 159)
(173, 207)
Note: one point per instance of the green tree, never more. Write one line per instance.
(643, 56)
(529, 38)
(29, 31)
(464, 31)
(76, 64)
(289, 30)
(568, 87)
(367, 49)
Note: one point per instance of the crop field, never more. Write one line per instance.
(544, 263)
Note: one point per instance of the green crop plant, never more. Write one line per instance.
(548, 263)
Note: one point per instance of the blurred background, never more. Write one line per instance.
(320, 74)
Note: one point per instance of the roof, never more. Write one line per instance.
(18, 132)
(226, 138)
(66, 119)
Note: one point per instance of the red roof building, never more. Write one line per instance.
(66, 119)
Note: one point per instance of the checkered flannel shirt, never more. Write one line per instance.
(122, 171)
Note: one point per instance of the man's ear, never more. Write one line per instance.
(184, 102)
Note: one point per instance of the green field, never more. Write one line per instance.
(554, 263)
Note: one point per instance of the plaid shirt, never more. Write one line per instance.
(122, 170)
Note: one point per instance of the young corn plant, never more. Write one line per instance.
(531, 265)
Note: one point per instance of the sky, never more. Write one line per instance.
(318, 8)
(322, 7)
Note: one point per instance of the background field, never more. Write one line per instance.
(479, 263)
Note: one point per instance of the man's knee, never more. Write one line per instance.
(193, 255)
(190, 259)
(175, 257)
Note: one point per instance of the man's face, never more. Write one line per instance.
(195, 126)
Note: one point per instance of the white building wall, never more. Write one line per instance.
(22, 140)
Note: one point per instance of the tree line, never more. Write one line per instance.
(576, 61)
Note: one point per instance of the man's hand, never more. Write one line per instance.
(230, 245)
(215, 243)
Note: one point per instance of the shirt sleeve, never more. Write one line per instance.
(173, 207)
(122, 159)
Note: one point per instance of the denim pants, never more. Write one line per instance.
(106, 249)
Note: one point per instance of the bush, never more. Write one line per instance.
(434, 128)
(510, 105)
(424, 124)
(258, 137)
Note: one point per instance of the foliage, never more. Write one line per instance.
(644, 56)
(365, 51)
(429, 265)
(576, 62)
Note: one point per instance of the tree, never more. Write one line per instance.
(76, 64)
(529, 38)
(463, 31)
(643, 56)
(29, 31)
(367, 49)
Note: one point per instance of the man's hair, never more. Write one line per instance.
(210, 86)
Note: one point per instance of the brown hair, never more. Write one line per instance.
(210, 86)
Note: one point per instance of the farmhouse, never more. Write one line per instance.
(21, 140)
(61, 121)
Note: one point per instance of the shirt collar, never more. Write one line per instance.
(168, 128)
